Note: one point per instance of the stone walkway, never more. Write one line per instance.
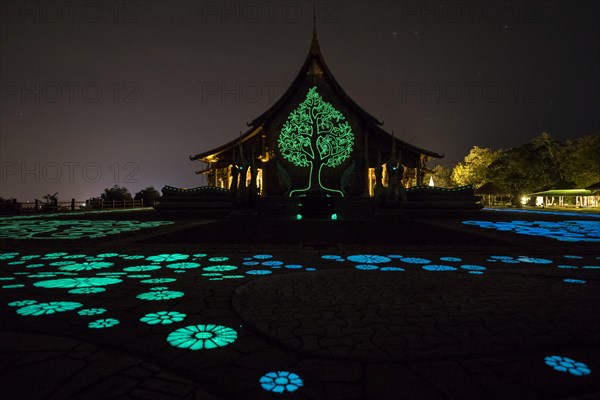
(127, 317)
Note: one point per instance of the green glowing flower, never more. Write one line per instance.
(218, 259)
(52, 307)
(107, 255)
(163, 317)
(183, 265)
(159, 280)
(77, 282)
(22, 303)
(167, 257)
(34, 266)
(91, 311)
(199, 255)
(198, 337)
(8, 256)
(86, 266)
(15, 286)
(160, 295)
(159, 288)
(220, 268)
(103, 323)
(61, 263)
(140, 268)
(51, 256)
(87, 290)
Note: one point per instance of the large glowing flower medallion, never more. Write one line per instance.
(199, 337)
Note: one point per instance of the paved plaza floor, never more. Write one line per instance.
(142, 305)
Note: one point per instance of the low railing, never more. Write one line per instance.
(37, 206)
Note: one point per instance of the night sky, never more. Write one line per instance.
(101, 93)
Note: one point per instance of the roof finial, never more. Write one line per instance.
(314, 45)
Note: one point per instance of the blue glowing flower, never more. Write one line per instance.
(438, 268)
(281, 381)
(272, 263)
(258, 272)
(580, 281)
(262, 256)
(330, 257)
(366, 267)
(473, 267)
(293, 266)
(564, 364)
(368, 259)
(532, 260)
(450, 259)
(391, 269)
(250, 263)
(415, 260)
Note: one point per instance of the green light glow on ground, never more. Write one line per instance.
(69, 229)
(199, 337)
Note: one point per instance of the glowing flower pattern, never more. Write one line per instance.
(87, 290)
(564, 364)
(199, 337)
(281, 381)
(160, 295)
(52, 307)
(103, 323)
(368, 259)
(163, 317)
(167, 257)
(91, 311)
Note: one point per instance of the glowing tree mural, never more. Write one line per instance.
(316, 135)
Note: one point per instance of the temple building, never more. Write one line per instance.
(316, 142)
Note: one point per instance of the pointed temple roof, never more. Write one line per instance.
(314, 65)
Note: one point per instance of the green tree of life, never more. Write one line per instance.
(316, 135)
